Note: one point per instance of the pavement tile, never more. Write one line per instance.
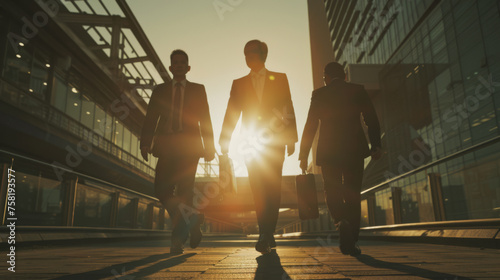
(237, 259)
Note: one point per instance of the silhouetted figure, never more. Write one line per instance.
(263, 99)
(342, 147)
(177, 113)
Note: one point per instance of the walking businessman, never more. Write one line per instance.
(342, 147)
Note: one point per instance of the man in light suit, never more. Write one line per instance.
(178, 130)
(263, 100)
(342, 147)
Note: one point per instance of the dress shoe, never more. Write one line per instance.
(195, 231)
(346, 238)
(355, 251)
(177, 247)
(264, 244)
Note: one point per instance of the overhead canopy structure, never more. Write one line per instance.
(108, 32)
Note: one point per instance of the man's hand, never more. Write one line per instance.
(303, 165)
(209, 156)
(376, 153)
(290, 148)
(145, 150)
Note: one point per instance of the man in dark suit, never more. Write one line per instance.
(177, 113)
(263, 100)
(342, 147)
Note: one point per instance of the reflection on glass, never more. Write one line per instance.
(87, 113)
(60, 94)
(73, 104)
(156, 218)
(92, 207)
(39, 76)
(142, 215)
(17, 67)
(384, 214)
(39, 200)
(125, 213)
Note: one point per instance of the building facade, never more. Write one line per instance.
(75, 79)
(432, 70)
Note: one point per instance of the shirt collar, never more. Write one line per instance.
(183, 83)
(262, 72)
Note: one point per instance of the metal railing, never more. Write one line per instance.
(80, 201)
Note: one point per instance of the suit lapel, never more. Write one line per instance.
(187, 94)
(269, 92)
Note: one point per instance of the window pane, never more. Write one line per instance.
(99, 121)
(109, 127)
(118, 134)
(87, 115)
(39, 76)
(18, 67)
(133, 145)
(60, 93)
(126, 139)
(73, 103)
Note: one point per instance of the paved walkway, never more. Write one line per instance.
(236, 259)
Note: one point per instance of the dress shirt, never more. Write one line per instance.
(258, 81)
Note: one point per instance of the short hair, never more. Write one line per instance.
(261, 48)
(335, 70)
(176, 52)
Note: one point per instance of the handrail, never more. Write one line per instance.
(289, 224)
(78, 174)
(452, 223)
(441, 160)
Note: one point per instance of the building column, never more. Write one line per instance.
(396, 205)
(434, 181)
(70, 187)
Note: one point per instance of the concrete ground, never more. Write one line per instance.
(235, 258)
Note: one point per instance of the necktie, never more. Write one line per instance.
(177, 107)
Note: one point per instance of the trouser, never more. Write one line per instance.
(174, 187)
(343, 191)
(264, 174)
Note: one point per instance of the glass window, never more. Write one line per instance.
(92, 207)
(133, 145)
(99, 121)
(118, 137)
(126, 139)
(60, 94)
(142, 215)
(108, 127)
(88, 112)
(18, 67)
(384, 214)
(125, 215)
(42, 199)
(39, 76)
(73, 102)
(471, 62)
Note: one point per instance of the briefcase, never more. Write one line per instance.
(227, 179)
(307, 199)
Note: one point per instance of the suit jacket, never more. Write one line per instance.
(339, 106)
(274, 115)
(196, 136)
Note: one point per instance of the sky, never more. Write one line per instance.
(214, 32)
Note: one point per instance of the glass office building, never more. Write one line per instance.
(438, 99)
(75, 79)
